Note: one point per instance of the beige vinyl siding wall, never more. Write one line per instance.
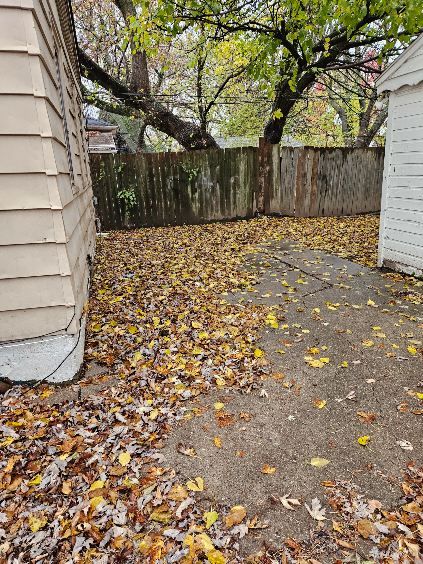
(46, 212)
(402, 219)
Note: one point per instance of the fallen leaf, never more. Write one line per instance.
(366, 528)
(97, 485)
(67, 487)
(95, 501)
(124, 458)
(364, 440)
(289, 502)
(186, 450)
(319, 403)
(235, 516)
(266, 469)
(196, 485)
(214, 556)
(405, 445)
(219, 405)
(316, 511)
(35, 481)
(217, 442)
(36, 523)
(210, 517)
(366, 416)
(319, 462)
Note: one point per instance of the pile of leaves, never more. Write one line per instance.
(84, 480)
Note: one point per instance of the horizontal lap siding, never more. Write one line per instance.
(46, 212)
(402, 235)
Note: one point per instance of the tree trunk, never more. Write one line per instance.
(285, 100)
(188, 134)
(141, 146)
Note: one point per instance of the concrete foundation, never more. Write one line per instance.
(59, 356)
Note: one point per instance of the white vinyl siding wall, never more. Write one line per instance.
(401, 238)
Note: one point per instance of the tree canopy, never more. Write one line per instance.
(281, 48)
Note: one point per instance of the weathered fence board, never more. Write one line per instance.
(325, 181)
(154, 189)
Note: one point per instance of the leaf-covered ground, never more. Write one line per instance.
(84, 479)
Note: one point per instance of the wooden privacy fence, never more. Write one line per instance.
(154, 189)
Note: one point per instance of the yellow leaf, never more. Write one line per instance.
(325, 360)
(235, 516)
(196, 325)
(7, 441)
(132, 329)
(97, 485)
(96, 327)
(154, 413)
(258, 353)
(313, 350)
(219, 405)
(95, 501)
(268, 469)
(124, 458)
(210, 517)
(363, 440)
(204, 543)
(156, 321)
(419, 395)
(319, 462)
(370, 303)
(35, 480)
(314, 362)
(35, 524)
(367, 343)
(412, 350)
(137, 357)
(319, 403)
(161, 515)
(217, 442)
(196, 485)
(344, 364)
(215, 557)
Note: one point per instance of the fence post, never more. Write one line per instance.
(264, 179)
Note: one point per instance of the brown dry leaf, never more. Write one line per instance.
(67, 487)
(344, 544)
(177, 493)
(224, 419)
(366, 416)
(235, 516)
(412, 507)
(366, 528)
(186, 450)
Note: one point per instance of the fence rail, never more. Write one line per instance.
(196, 187)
